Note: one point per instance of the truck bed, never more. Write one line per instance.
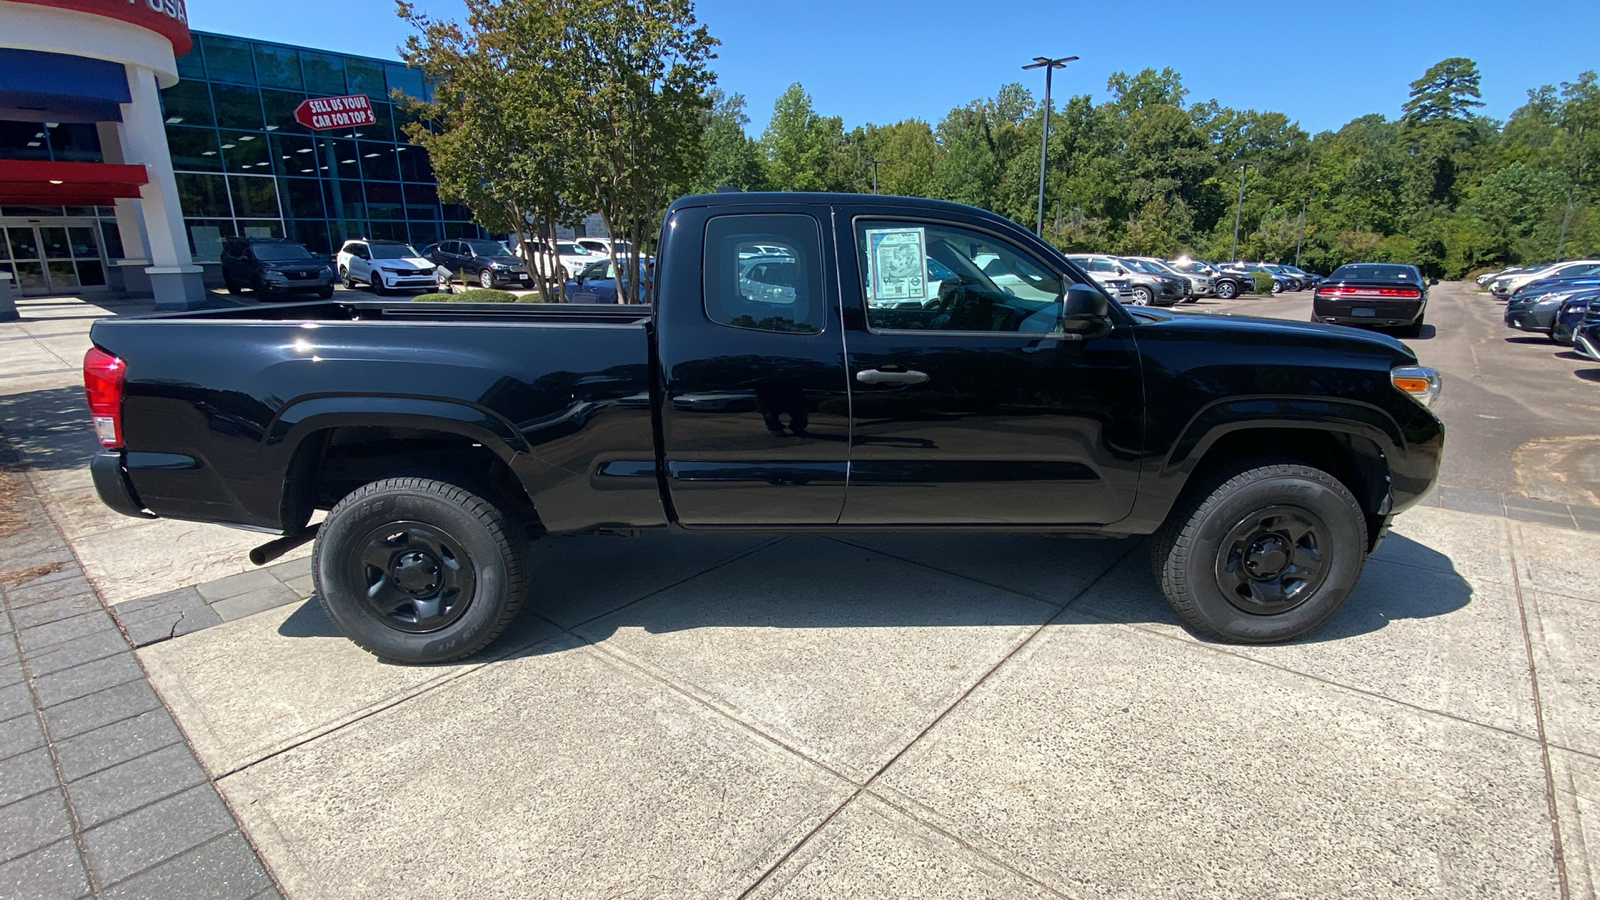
(254, 416)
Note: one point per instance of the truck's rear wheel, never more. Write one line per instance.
(1261, 554)
(419, 571)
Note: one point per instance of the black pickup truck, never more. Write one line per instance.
(810, 362)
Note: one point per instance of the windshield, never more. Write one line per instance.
(1375, 272)
(280, 252)
(486, 248)
(1197, 268)
(391, 250)
(567, 248)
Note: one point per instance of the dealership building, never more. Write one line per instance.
(130, 147)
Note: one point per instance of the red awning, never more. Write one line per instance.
(25, 182)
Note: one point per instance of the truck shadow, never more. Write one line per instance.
(50, 427)
(594, 588)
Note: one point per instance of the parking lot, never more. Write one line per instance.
(968, 716)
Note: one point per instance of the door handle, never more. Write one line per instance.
(878, 376)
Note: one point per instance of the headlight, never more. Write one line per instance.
(1546, 300)
(325, 270)
(273, 276)
(1420, 383)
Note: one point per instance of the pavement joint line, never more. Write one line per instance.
(151, 751)
(943, 714)
(1189, 640)
(1538, 719)
(469, 668)
(1031, 596)
(38, 372)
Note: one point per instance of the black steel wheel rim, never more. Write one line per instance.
(1274, 560)
(414, 577)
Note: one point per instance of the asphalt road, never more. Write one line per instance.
(1522, 413)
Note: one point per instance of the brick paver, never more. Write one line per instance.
(99, 794)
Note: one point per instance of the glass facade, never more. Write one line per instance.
(245, 167)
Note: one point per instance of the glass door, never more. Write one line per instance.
(53, 259)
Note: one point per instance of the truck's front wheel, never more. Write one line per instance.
(1262, 554)
(419, 571)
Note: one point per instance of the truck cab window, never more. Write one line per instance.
(764, 272)
(923, 277)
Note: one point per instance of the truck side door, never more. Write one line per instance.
(971, 405)
(754, 403)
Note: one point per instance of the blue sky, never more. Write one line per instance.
(1321, 63)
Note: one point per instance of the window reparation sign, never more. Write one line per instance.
(324, 113)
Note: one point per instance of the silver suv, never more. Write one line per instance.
(1111, 277)
(1199, 283)
(1148, 287)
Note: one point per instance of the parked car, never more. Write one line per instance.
(481, 260)
(597, 283)
(1374, 295)
(1586, 337)
(1570, 317)
(1308, 279)
(1505, 286)
(1572, 281)
(1536, 312)
(385, 265)
(602, 246)
(1148, 286)
(273, 266)
(573, 257)
(1112, 278)
(1280, 283)
(1484, 279)
(1052, 409)
(1225, 285)
(1292, 282)
(1197, 284)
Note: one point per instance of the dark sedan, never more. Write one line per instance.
(1374, 295)
(1570, 317)
(486, 262)
(1537, 312)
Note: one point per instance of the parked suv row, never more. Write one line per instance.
(272, 266)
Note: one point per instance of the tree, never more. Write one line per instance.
(801, 146)
(732, 158)
(1148, 88)
(639, 74)
(1448, 91)
(496, 129)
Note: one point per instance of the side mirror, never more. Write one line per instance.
(1084, 309)
(1432, 282)
(1121, 271)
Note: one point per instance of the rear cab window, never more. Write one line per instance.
(764, 272)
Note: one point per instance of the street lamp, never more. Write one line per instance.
(874, 163)
(1301, 237)
(1234, 253)
(1049, 66)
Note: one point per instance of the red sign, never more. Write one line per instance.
(168, 18)
(323, 113)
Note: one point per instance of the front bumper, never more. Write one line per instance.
(1587, 342)
(112, 484)
(1530, 319)
(408, 280)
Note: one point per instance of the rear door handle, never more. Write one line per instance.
(878, 376)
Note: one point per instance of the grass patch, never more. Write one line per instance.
(10, 497)
(476, 295)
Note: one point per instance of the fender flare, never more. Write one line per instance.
(308, 415)
(1329, 414)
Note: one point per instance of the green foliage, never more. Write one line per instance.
(1447, 91)
(475, 295)
(802, 148)
(1263, 282)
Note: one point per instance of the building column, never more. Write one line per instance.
(175, 280)
(130, 222)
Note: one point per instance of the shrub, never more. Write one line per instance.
(475, 295)
(1263, 282)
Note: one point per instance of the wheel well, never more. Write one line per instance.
(335, 461)
(1358, 462)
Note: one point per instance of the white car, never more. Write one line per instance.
(386, 265)
(1507, 285)
(574, 258)
(601, 245)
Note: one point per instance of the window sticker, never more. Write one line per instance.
(897, 264)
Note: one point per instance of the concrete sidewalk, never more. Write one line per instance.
(945, 717)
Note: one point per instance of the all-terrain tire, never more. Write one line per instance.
(1191, 550)
(476, 537)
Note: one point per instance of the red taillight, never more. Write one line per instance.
(1388, 293)
(102, 381)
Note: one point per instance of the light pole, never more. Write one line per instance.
(875, 163)
(1233, 254)
(1565, 218)
(1300, 238)
(1049, 66)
